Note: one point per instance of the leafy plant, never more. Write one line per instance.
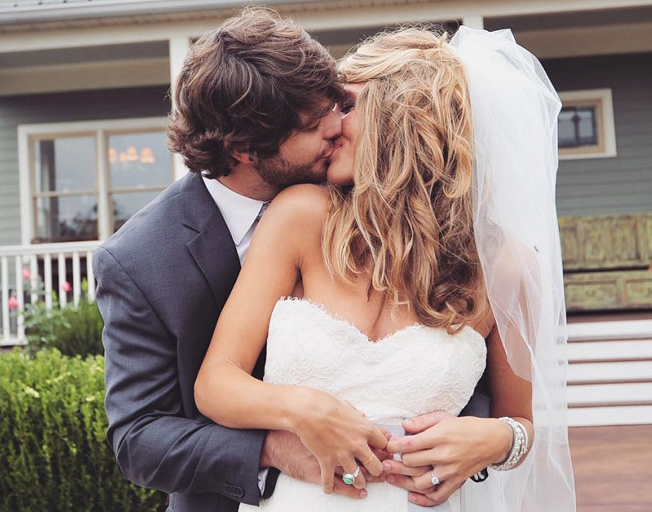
(53, 451)
(73, 330)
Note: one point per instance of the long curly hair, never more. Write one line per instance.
(408, 218)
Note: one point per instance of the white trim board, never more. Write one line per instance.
(615, 330)
(610, 350)
(602, 393)
(609, 372)
(602, 416)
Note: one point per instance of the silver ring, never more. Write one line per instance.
(398, 457)
(349, 478)
(433, 478)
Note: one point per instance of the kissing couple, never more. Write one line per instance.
(361, 252)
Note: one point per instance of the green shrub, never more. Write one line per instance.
(73, 330)
(54, 456)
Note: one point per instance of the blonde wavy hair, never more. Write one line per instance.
(408, 218)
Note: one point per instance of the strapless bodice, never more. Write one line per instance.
(412, 371)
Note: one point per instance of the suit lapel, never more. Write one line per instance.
(212, 248)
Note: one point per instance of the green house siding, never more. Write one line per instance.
(610, 186)
(58, 108)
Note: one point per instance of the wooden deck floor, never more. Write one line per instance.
(613, 468)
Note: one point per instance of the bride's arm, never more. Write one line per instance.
(226, 392)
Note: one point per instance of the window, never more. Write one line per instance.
(83, 181)
(586, 125)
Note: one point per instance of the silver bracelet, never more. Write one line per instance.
(519, 448)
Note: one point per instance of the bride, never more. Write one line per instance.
(433, 253)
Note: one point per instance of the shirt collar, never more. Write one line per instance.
(239, 211)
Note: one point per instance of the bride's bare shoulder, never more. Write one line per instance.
(302, 205)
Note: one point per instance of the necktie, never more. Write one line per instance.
(262, 211)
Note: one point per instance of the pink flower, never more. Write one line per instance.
(26, 273)
(66, 287)
(13, 302)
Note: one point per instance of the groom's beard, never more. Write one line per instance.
(277, 171)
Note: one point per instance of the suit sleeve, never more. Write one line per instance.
(480, 403)
(155, 445)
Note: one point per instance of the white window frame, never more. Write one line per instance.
(102, 129)
(603, 98)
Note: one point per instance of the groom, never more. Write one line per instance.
(254, 109)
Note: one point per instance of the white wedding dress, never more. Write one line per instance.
(413, 371)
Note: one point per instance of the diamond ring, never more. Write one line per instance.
(433, 478)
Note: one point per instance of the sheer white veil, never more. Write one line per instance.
(515, 109)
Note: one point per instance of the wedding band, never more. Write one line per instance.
(349, 478)
(433, 478)
(371, 457)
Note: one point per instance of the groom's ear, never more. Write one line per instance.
(243, 156)
(239, 153)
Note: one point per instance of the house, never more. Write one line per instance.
(84, 98)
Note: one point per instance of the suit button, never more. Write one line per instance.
(233, 490)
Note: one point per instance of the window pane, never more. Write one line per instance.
(67, 218)
(577, 127)
(567, 129)
(128, 203)
(65, 164)
(139, 160)
(587, 127)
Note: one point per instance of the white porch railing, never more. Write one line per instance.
(29, 273)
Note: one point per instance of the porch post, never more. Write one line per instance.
(179, 45)
(473, 21)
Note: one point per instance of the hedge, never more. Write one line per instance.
(53, 450)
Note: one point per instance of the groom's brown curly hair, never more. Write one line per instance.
(247, 86)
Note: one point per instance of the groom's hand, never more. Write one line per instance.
(285, 452)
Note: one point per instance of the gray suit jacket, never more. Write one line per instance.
(163, 279)
(162, 282)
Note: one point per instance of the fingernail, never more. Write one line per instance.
(387, 466)
(412, 498)
(391, 479)
(363, 494)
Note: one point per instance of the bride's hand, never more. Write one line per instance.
(454, 447)
(337, 434)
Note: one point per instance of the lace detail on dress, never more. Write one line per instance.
(412, 371)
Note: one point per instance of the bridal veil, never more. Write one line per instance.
(515, 109)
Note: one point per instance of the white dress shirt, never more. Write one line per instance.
(241, 216)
